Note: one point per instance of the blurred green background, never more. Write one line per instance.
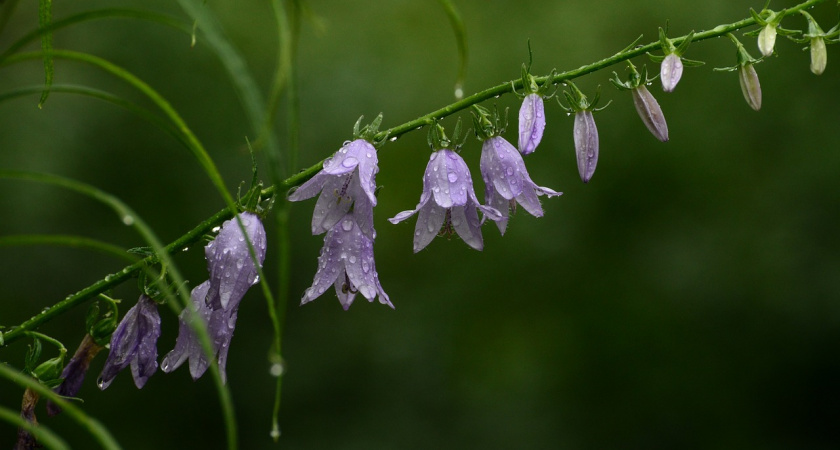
(687, 297)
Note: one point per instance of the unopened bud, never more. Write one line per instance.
(586, 144)
(650, 112)
(819, 57)
(767, 39)
(671, 72)
(750, 85)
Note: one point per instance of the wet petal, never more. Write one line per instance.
(671, 72)
(586, 144)
(468, 226)
(429, 220)
(232, 270)
(750, 86)
(531, 123)
(650, 112)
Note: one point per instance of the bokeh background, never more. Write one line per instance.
(687, 297)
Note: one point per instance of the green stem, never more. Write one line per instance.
(91, 425)
(43, 435)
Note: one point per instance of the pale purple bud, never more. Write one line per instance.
(448, 201)
(232, 270)
(134, 343)
(650, 112)
(767, 39)
(819, 57)
(750, 85)
(586, 144)
(531, 123)
(671, 72)
(506, 181)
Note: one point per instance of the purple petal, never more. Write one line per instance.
(333, 204)
(429, 220)
(586, 144)
(531, 123)
(650, 112)
(448, 178)
(468, 226)
(134, 342)
(74, 372)
(671, 72)
(501, 167)
(360, 155)
(232, 270)
(311, 188)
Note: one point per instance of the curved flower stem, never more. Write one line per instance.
(66, 241)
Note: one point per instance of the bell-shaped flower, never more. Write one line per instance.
(769, 21)
(134, 343)
(74, 372)
(219, 323)
(672, 62)
(346, 262)
(448, 201)
(506, 181)
(816, 39)
(348, 180)
(232, 270)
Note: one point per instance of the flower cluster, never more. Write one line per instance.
(215, 302)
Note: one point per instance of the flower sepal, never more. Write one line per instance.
(769, 21)
(634, 80)
(438, 140)
(578, 102)
(816, 39)
(370, 131)
(486, 124)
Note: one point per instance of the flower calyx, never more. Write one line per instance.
(634, 80)
(744, 58)
(669, 47)
(532, 85)
(370, 132)
(486, 124)
(578, 102)
(438, 140)
(101, 327)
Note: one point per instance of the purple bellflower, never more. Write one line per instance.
(506, 180)
(346, 262)
(134, 343)
(585, 131)
(232, 270)
(216, 301)
(347, 180)
(220, 325)
(448, 200)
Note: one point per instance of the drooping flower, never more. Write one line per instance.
(672, 62)
(448, 200)
(232, 270)
(769, 21)
(645, 103)
(216, 301)
(134, 343)
(506, 181)
(767, 39)
(74, 372)
(219, 323)
(585, 131)
(346, 262)
(347, 180)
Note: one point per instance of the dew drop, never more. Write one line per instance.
(453, 177)
(393, 139)
(216, 229)
(128, 220)
(276, 370)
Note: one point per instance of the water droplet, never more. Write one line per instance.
(275, 433)
(128, 220)
(165, 365)
(352, 259)
(347, 225)
(459, 93)
(239, 264)
(453, 177)
(100, 383)
(350, 162)
(186, 249)
(276, 370)
(394, 138)
(216, 229)
(345, 144)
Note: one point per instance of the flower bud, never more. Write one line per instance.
(671, 72)
(650, 112)
(586, 144)
(750, 85)
(818, 56)
(767, 39)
